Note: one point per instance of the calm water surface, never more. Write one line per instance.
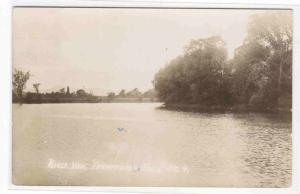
(128, 144)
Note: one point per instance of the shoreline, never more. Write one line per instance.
(176, 107)
(86, 102)
(224, 109)
(82, 100)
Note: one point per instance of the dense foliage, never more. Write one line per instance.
(260, 73)
(198, 76)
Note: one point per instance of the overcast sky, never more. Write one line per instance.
(104, 50)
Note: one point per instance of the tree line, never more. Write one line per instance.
(259, 75)
(134, 93)
(65, 95)
(19, 95)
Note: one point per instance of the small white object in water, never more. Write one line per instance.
(121, 129)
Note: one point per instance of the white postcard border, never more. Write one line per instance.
(5, 98)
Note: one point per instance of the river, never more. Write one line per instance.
(139, 144)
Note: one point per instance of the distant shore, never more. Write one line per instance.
(222, 109)
(177, 107)
(84, 100)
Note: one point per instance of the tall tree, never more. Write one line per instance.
(195, 77)
(62, 91)
(36, 87)
(263, 63)
(122, 93)
(19, 81)
(68, 91)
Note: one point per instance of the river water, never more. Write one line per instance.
(138, 144)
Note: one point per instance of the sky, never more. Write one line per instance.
(109, 49)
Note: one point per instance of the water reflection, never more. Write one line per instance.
(267, 152)
(155, 148)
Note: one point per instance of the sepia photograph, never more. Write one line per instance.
(152, 97)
